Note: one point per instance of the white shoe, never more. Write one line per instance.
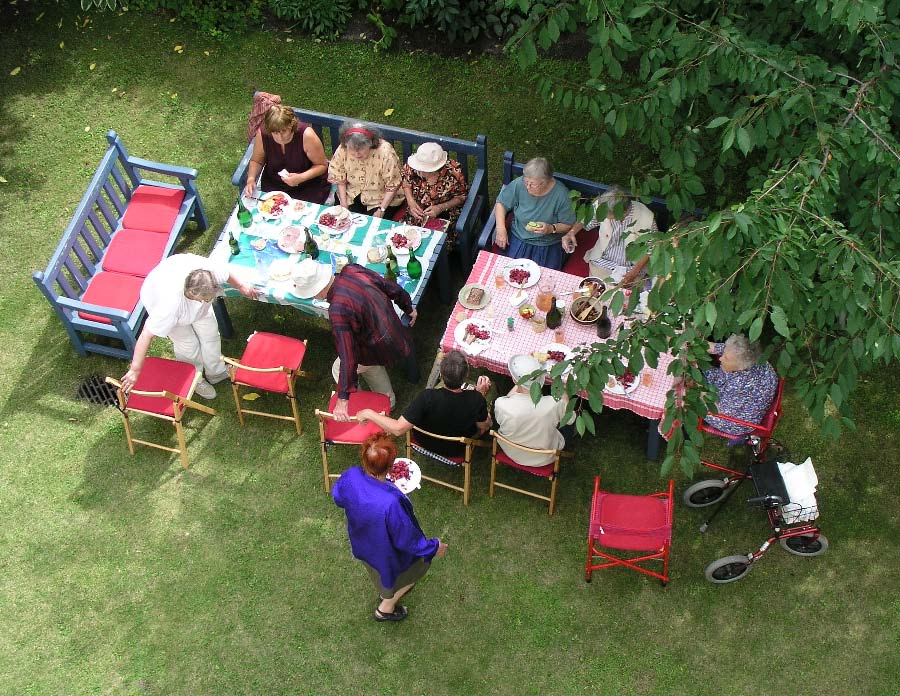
(215, 379)
(205, 390)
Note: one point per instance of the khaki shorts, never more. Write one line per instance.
(409, 576)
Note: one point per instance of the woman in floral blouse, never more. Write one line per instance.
(434, 186)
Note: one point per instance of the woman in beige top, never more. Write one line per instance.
(366, 169)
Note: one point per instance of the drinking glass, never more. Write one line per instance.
(546, 292)
(500, 279)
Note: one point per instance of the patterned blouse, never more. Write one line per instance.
(745, 394)
(370, 178)
(450, 184)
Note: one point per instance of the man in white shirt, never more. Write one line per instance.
(526, 423)
(178, 294)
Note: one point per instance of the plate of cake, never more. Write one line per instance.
(474, 296)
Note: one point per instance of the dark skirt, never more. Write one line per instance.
(408, 577)
(549, 256)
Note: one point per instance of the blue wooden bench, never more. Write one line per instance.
(123, 227)
(589, 190)
(471, 155)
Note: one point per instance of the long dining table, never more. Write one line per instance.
(647, 400)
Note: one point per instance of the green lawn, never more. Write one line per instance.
(125, 574)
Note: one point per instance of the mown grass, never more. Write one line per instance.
(126, 574)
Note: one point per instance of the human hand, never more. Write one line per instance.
(416, 210)
(569, 243)
(413, 315)
(364, 414)
(483, 385)
(340, 412)
(129, 379)
(501, 239)
(378, 213)
(249, 291)
(292, 179)
(250, 188)
(442, 549)
(433, 211)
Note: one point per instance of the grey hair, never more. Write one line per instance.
(454, 369)
(538, 168)
(745, 353)
(612, 197)
(201, 283)
(357, 141)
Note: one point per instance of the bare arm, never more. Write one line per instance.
(255, 165)
(394, 426)
(137, 361)
(501, 234)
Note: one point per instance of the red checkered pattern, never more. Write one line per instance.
(648, 402)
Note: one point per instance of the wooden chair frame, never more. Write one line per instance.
(233, 365)
(322, 416)
(554, 479)
(179, 405)
(468, 442)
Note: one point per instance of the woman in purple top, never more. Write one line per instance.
(384, 532)
(746, 387)
(290, 156)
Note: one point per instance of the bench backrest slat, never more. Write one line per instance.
(115, 196)
(124, 184)
(102, 232)
(76, 275)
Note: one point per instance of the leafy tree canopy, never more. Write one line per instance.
(778, 118)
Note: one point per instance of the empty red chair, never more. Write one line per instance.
(271, 363)
(163, 390)
(352, 432)
(631, 523)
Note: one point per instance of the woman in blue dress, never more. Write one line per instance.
(540, 213)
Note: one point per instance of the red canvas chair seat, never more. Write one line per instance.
(164, 389)
(112, 291)
(268, 350)
(352, 432)
(270, 363)
(547, 471)
(153, 208)
(630, 523)
(135, 252)
(412, 444)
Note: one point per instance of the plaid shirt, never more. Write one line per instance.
(366, 328)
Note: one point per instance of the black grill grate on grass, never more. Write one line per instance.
(97, 391)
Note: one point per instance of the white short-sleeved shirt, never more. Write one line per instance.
(163, 292)
(530, 424)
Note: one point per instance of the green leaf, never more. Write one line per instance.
(779, 321)
(755, 329)
(639, 11)
(711, 315)
(743, 139)
(718, 121)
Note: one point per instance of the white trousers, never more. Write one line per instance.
(200, 344)
(376, 378)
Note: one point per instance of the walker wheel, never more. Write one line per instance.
(704, 493)
(805, 544)
(727, 569)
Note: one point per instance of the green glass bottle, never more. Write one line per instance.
(554, 316)
(244, 216)
(233, 245)
(414, 266)
(310, 248)
(391, 266)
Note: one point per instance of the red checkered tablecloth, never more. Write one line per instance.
(648, 402)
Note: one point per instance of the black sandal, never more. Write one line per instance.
(398, 614)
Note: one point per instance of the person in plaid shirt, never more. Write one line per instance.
(367, 331)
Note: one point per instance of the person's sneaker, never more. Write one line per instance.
(205, 390)
(215, 379)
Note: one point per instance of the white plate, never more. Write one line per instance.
(618, 389)
(297, 246)
(411, 233)
(336, 210)
(478, 344)
(464, 293)
(527, 265)
(414, 481)
(285, 209)
(548, 363)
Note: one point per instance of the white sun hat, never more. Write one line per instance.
(310, 278)
(428, 158)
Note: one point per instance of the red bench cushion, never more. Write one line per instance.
(135, 252)
(153, 208)
(160, 374)
(270, 350)
(112, 290)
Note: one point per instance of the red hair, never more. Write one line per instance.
(378, 453)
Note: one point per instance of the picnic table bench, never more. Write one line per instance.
(589, 190)
(122, 228)
(471, 155)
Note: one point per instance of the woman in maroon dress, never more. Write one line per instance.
(290, 156)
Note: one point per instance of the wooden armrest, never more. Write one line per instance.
(235, 363)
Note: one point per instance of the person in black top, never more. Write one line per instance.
(451, 411)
